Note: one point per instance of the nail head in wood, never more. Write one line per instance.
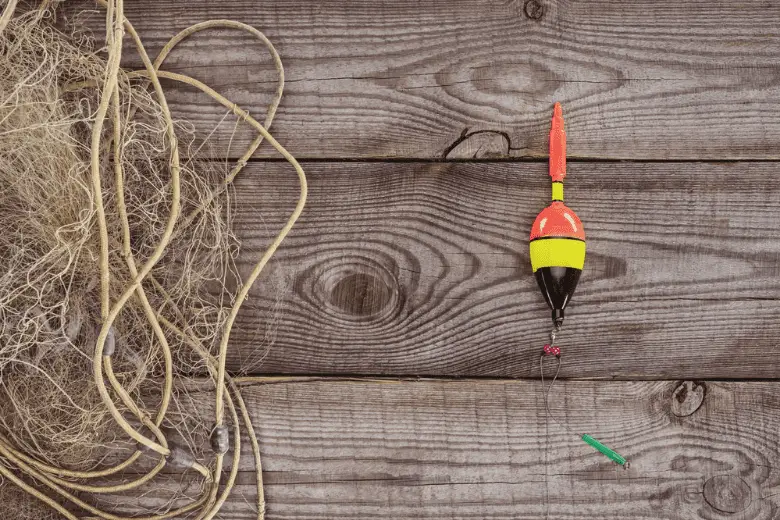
(533, 10)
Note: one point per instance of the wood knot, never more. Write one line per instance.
(482, 144)
(361, 294)
(727, 493)
(533, 9)
(357, 288)
(687, 398)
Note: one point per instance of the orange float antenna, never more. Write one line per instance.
(557, 145)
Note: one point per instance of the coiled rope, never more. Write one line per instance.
(21, 468)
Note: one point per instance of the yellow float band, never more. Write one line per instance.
(557, 252)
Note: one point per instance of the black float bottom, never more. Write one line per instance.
(557, 285)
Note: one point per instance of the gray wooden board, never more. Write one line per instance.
(482, 450)
(644, 79)
(423, 269)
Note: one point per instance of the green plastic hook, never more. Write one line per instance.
(611, 454)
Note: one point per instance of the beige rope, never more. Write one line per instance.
(8, 12)
(55, 479)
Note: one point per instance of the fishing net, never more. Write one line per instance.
(118, 284)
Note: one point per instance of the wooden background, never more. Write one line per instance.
(404, 301)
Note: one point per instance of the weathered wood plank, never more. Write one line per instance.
(476, 450)
(646, 80)
(422, 269)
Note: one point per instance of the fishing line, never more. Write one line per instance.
(550, 350)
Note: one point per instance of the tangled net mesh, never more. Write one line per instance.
(59, 276)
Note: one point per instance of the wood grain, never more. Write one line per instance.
(477, 450)
(646, 80)
(422, 269)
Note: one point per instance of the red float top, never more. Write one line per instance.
(556, 220)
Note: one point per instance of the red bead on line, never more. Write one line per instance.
(547, 349)
(556, 351)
